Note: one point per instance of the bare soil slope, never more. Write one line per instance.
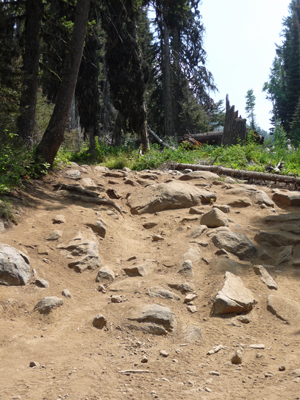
(76, 361)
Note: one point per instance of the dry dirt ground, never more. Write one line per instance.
(77, 361)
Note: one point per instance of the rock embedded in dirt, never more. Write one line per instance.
(285, 255)
(98, 227)
(161, 319)
(105, 276)
(181, 287)
(236, 243)
(265, 276)
(47, 304)
(167, 196)
(191, 334)
(214, 218)
(14, 266)
(99, 321)
(197, 232)
(73, 174)
(198, 175)
(225, 209)
(193, 254)
(285, 309)
(59, 219)
(234, 297)
(237, 358)
(141, 270)
(149, 225)
(162, 293)
(42, 283)
(240, 203)
(66, 293)
(276, 239)
(261, 198)
(186, 269)
(55, 235)
(287, 198)
(34, 364)
(190, 297)
(86, 249)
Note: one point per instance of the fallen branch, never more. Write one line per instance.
(237, 173)
(159, 139)
(135, 371)
(74, 188)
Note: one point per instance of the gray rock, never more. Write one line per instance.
(290, 217)
(88, 183)
(116, 298)
(192, 309)
(181, 287)
(193, 254)
(287, 198)
(149, 225)
(240, 202)
(190, 297)
(99, 321)
(265, 276)
(197, 232)
(162, 293)
(194, 210)
(73, 174)
(225, 209)
(167, 196)
(42, 283)
(214, 218)
(237, 358)
(55, 235)
(198, 175)
(260, 197)
(160, 316)
(289, 227)
(192, 334)
(105, 276)
(98, 227)
(115, 174)
(236, 243)
(59, 219)
(234, 297)
(285, 309)
(66, 293)
(47, 304)
(285, 255)
(187, 269)
(2, 227)
(14, 266)
(141, 270)
(276, 239)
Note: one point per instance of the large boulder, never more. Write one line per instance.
(167, 196)
(234, 297)
(14, 266)
(287, 198)
(236, 243)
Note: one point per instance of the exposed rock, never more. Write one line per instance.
(59, 219)
(141, 270)
(198, 175)
(66, 293)
(194, 210)
(73, 174)
(42, 283)
(164, 353)
(2, 227)
(287, 198)
(88, 183)
(158, 316)
(192, 309)
(55, 235)
(237, 358)
(214, 218)
(98, 227)
(195, 233)
(167, 196)
(285, 309)
(148, 176)
(182, 287)
(285, 255)
(47, 304)
(225, 209)
(236, 243)
(240, 202)
(260, 197)
(193, 254)
(115, 174)
(190, 297)
(234, 297)
(149, 225)
(187, 269)
(289, 227)
(105, 276)
(265, 276)
(276, 239)
(290, 217)
(192, 334)
(34, 364)
(156, 238)
(14, 266)
(117, 298)
(163, 293)
(99, 321)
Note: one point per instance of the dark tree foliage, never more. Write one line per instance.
(126, 70)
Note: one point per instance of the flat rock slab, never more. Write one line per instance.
(162, 293)
(154, 318)
(265, 276)
(14, 266)
(285, 309)
(290, 217)
(287, 198)
(276, 239)
(47, 304)
(198, 175)
(236, 243)
(167, 196)
(234, 297)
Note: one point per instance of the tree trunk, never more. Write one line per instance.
(167, 85)
(51, 141)
(211, 138)
(26, 119)
(117, 132)
(234, 128)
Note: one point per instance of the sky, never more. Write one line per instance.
(240, 42)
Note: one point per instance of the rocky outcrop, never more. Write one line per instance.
(236, 243)
(14, 266)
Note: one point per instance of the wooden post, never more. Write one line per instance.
(234, 128)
